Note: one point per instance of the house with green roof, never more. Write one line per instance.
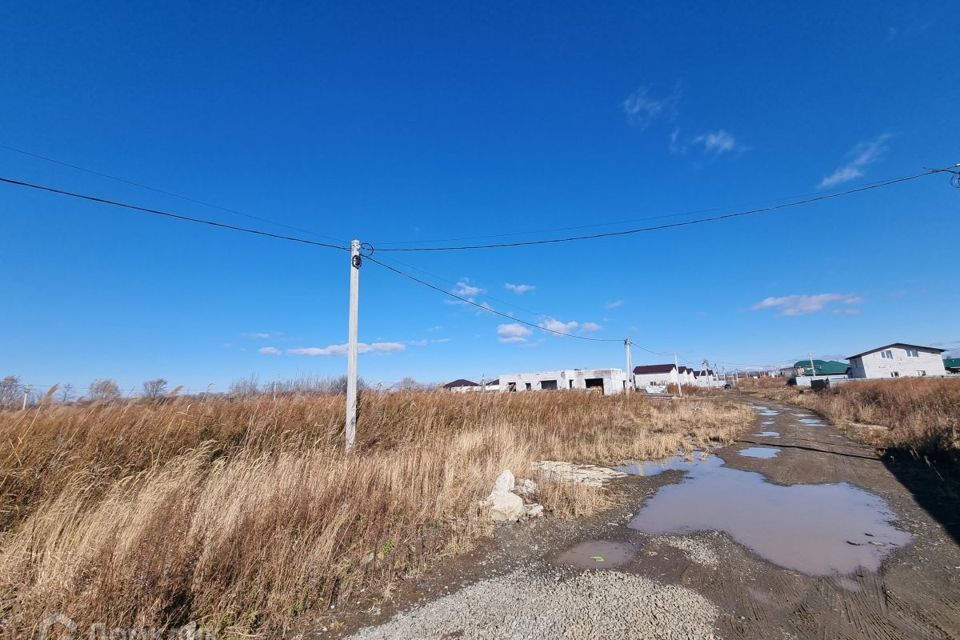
(952, 365)
(822, 367)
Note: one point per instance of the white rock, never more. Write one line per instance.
(534, 510)
(505, 481)
(527, 487)
(568, 472)
(505, 506)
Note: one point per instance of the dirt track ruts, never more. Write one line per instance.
(717, 587)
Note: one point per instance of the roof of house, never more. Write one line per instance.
(492, 382)
(951, 363)
(896, 344)
(824, 367)
(702, 372)
(655, 368)
(460, 383)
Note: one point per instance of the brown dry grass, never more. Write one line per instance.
(917, 414)
(245, 515)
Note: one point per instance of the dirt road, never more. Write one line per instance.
(792, 532)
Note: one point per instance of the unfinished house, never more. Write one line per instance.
(605, 381)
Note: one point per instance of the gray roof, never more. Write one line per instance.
(896, 344)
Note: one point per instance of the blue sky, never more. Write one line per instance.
(413, 123)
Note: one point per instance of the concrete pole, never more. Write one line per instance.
(26, 394)
(627, 343)
(813, 370)
(676, 364)
(351, 424)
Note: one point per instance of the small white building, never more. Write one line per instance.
(660, 375)
(605, 381)
(897, 360)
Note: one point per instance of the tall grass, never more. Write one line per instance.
(245, 514)
(917, 414)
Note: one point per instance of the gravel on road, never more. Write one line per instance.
(530, 604)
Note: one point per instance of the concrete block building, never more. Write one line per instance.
(605, 381)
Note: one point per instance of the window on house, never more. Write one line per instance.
(921, 372)
(913, 353)
(894, 374)
(529, 386)
(549, 385)
(887, 354)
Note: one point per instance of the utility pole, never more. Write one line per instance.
(813, 370)
(676, 365)
(26, 394)
(626, 344)
(351, 424)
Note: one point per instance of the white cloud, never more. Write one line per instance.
(590, 327)
(262, 335)
(341, 349)
(860, 158)
(466, 290)
(514, 332)
(616, 304)
(551, 324)
(798, 305)
(519, 289)
(269, 351)
(425, 341)
(642, 109)
(718, 142)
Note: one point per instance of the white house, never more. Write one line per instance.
(897, 360)
(660, 375)
(605, 381)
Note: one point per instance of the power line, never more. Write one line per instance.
(673, 225)
(169, 214)
(165, 192)
(485, 308)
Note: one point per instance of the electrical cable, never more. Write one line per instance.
(485, 308)
(165, 192)
(169, 214)
(674, 225)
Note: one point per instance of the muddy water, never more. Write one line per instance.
(768, 434)
(817, 529)
(759, 452)
(598, 554)
(656, 467)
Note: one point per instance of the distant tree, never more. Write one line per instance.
(105, 390)
(11, 392)
(154, 389)
(244, 388)
(409, 384)
(66, 393)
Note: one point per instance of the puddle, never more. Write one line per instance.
(817, 529)
(812, 422)
(656, 467)
(598, 554)
(770, 413)
(759, 452)
(768, 434)
(766, 422)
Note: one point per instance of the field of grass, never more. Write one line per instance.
(921, 415)
(244, 514)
